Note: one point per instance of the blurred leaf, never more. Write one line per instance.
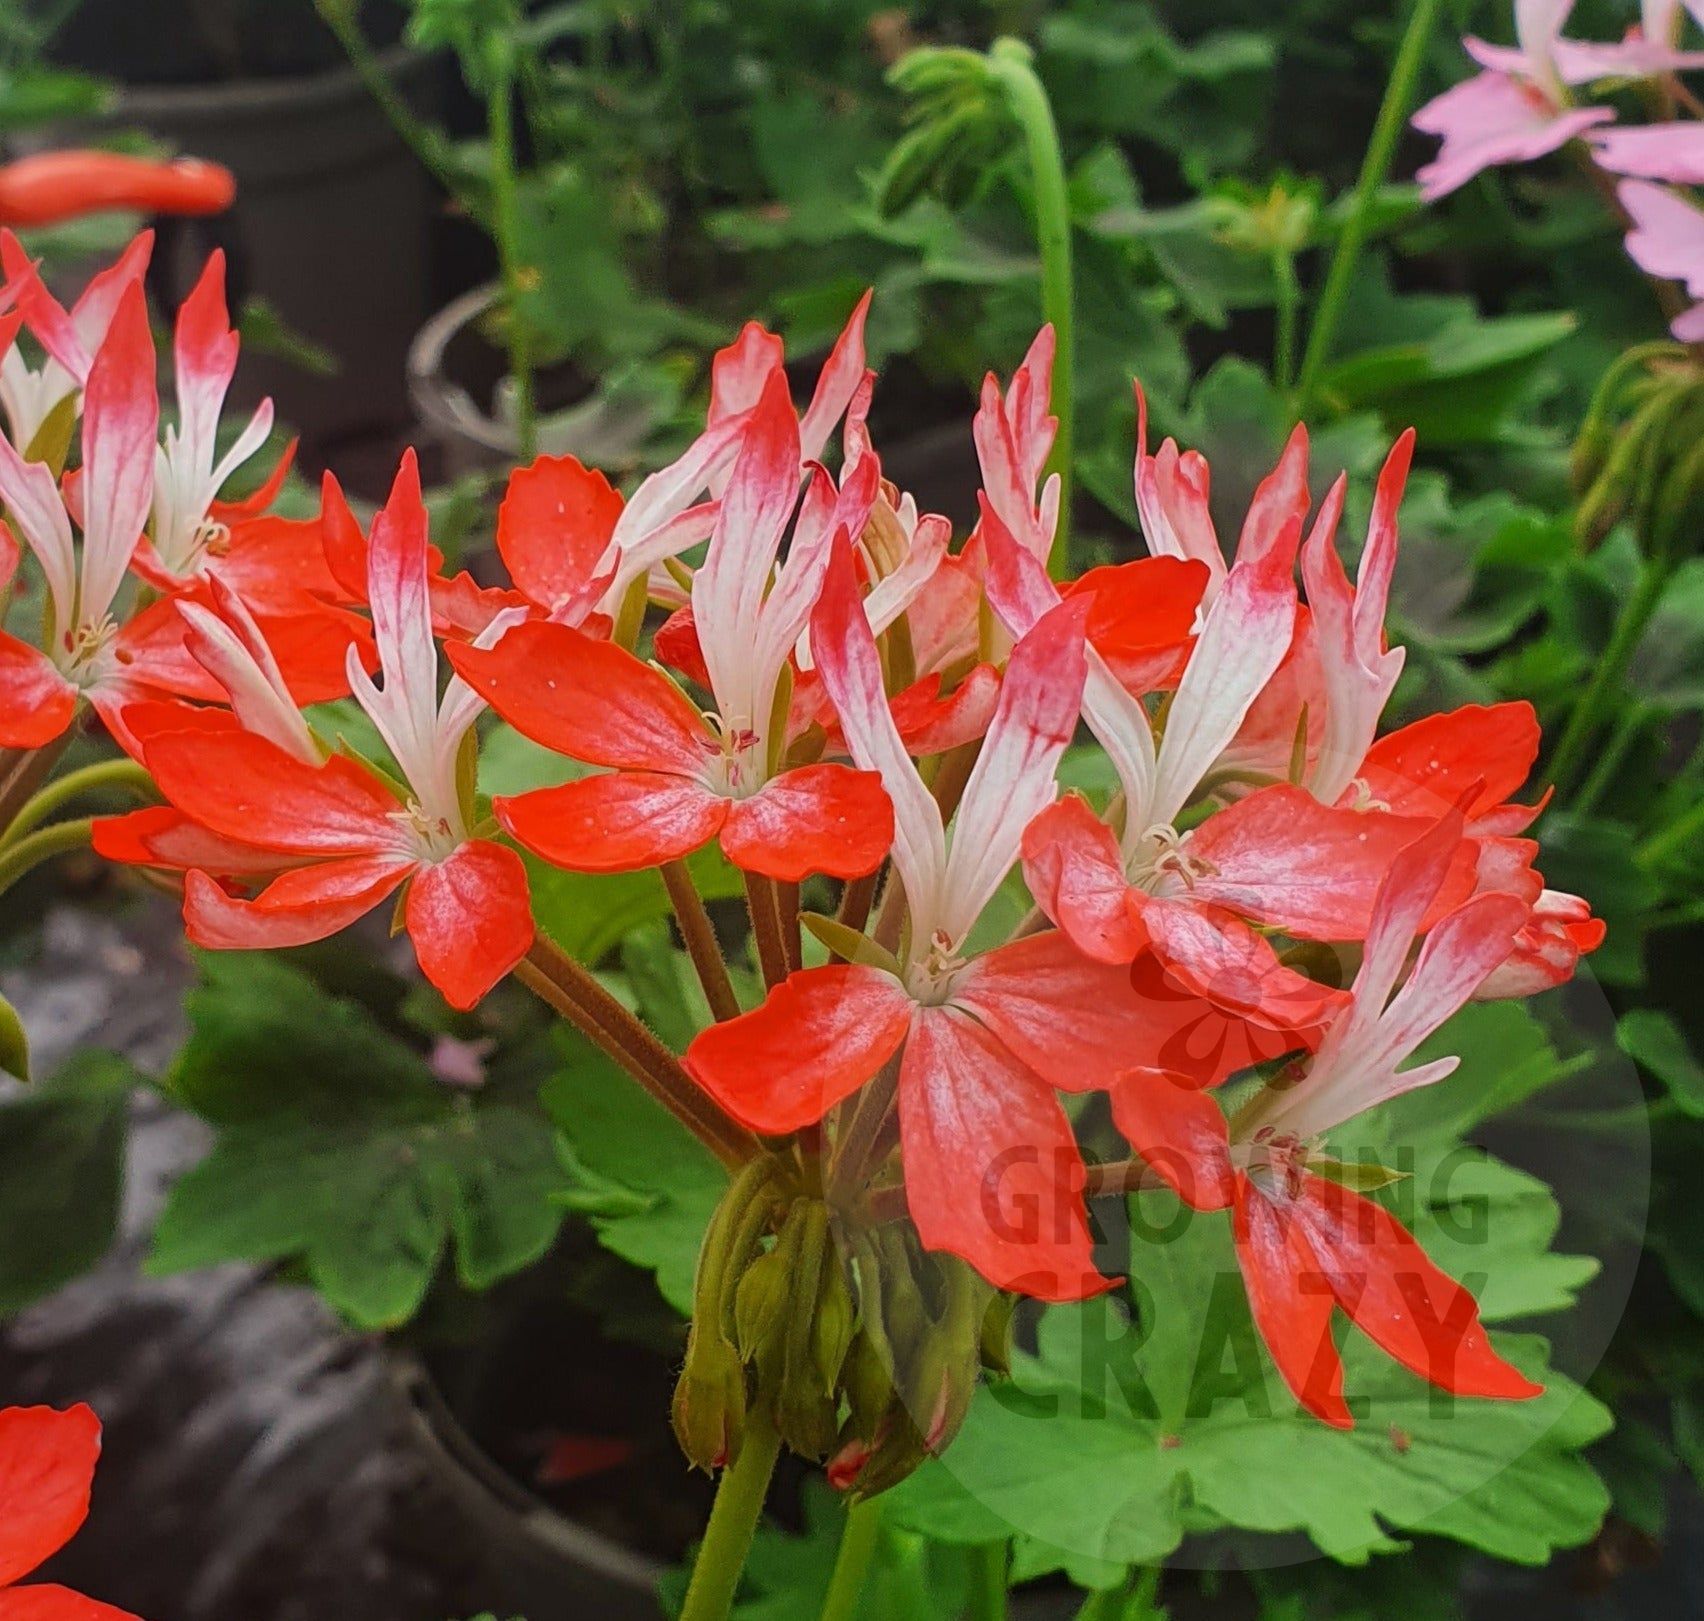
(339, 1148)
(61, 1175)
(1657, 1044)
(264, 331)
(646, 1184)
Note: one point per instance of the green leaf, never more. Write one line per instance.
(61, 1175)
(1123, 1434)
(648, 1186)
(1656, 1043)
(589, 914)
(339, 1149)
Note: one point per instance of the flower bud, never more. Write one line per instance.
(710, 1402)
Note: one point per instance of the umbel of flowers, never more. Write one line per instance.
(868, 715)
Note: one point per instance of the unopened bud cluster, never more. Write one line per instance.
(863, 1353)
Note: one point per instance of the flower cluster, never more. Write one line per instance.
(1522, 105)
(857, 711)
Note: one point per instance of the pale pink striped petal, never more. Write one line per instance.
(121, 416)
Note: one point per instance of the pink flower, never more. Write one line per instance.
(1491, 120)
(1517, 108)
(1671, 152)
(1667, 240)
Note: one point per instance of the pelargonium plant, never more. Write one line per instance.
(1276, 905)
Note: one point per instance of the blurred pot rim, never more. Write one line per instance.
(500, 1505)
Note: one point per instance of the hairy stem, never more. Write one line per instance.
(568, 987)
(27, 773)
(701, 944)
(858, 1539)
(122, 774)
(766, 928)
(43, 845)
(733, 1522)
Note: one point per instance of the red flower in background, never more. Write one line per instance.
(47, 1466)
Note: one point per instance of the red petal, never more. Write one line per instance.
(46, 1602)
(586, 698)
(345, 545)
(11, 553)
(817, 818)
(277, 565)
(1142, 617)
(555, 521)
(676, 644)
(1292, 1302)
(1427, 768)
(308, 904)
(992, 1170)
(1180, 1132)
(1220, 958)
(822, 1033)
(311, 648)
(248, 789)
(262, 496)
(1401, 1301)
(1073, 868)
(931, 724)
(618, 821)
(159, 836)
(1192, 1037)
(1081, 1023)
(37, 703)
(47, 1462)
(470, 920)
(1281, 857)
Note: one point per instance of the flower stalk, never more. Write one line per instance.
(574, 992)
(1375, 169)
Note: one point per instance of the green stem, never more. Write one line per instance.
(1676, 836)
(1129, 1601)
(1288, 297)
(1375, 167)
(125, 774)
(1675, 917)
(1633, 717)
(25, 773)
(1026, 99)
(423, 141)
(500, 114)
(858, 1539)
(1606, 679)
(988, 1568)
(27, 854)
(733, 1522)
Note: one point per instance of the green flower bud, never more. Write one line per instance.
(709, 1408)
